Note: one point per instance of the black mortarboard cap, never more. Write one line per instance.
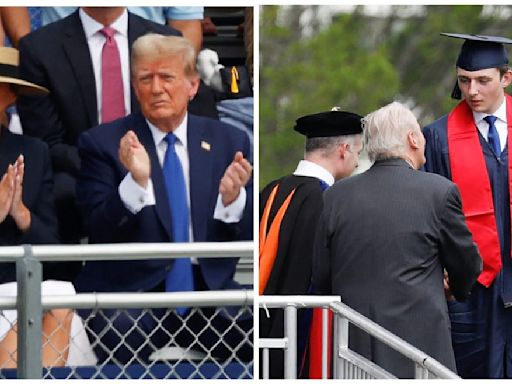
(479, 52)
(332, 123)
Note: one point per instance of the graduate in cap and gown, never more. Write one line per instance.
(470, 146)
(289, 211)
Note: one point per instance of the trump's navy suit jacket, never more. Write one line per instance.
(108, 220)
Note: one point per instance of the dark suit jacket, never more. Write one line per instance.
(57, 57)
(37, 195)
(383, 241)
(109, 221)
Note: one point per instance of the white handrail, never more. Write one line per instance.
(140, 300)
(129, 251)
(420, 358)
(393, 341)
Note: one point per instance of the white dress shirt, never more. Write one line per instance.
(135, 197)
(96, 40)
(308, 168)
(500, 124)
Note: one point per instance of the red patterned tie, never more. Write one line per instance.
(112, 96)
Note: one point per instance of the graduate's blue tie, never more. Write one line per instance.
(493, 138)
(180, 277)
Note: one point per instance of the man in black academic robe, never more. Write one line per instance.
(333, 143)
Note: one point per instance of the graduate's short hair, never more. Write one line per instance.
(325, 145)
(385, 131)
(503, 69)
(154, 46)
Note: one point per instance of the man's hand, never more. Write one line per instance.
(19, 212)
(135, 159)
(235, 177)
(6, 192)
(447, 291)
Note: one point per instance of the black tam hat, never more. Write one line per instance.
(479, 52)
(332, 123)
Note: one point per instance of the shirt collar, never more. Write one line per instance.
(91, 26)
(501, 113)
(310, 169)
(180, 132)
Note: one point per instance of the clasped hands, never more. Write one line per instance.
(11, 195)
(135, 159)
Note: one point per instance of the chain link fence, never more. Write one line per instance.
(122, 335)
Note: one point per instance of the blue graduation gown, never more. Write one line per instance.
(481, 325)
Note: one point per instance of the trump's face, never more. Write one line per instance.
(163, 90)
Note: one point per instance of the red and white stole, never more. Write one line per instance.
(469, 172)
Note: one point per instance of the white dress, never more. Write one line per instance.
(80, 350)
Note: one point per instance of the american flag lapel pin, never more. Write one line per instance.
(205, 145)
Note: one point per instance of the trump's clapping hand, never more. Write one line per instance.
(135, 159)
(235, 177)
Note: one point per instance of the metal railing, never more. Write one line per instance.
(347, 364)
(30, 305)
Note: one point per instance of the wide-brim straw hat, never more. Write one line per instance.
(9, 62)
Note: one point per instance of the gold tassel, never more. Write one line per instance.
(234, 80)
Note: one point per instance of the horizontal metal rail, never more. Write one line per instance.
(129, 251)
(297, 301)
(141, 300)
(393, 341)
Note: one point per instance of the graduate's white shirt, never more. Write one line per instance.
(500, 124)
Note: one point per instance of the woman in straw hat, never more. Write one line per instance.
(26, 213)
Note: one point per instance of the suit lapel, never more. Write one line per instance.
(200, 154)
(162, 205)
(77, 51)
(135, 30)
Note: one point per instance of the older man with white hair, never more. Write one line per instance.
(385, 238)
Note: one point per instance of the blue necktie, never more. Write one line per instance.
(493, 138)
(180, 277)
(323, 184)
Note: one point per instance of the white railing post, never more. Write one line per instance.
(341, 343)
(290, 333)
(420, 372)
(325, 342)
(265, 362)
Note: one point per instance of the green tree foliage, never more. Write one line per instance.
(358, 62)
(308, 75)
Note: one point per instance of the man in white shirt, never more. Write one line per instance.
(65, 56)
(126, 195)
